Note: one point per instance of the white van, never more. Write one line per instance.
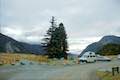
(118, 56)
(88, 57)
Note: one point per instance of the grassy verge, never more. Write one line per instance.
(107, 76)
(12, 58)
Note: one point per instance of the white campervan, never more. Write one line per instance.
(88, 57)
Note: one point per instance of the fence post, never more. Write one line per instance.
(115, 69)
(118, 70)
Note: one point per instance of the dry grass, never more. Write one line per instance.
(108, 76)
(10, 58)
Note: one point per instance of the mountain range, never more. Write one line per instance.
(9, 45)
(96, 46)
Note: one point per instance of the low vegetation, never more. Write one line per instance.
(10, 58)
(110, 49)
(108, 76)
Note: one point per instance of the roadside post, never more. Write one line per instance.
(115, 69)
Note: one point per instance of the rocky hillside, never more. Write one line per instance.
(8, 44)
(95, 47)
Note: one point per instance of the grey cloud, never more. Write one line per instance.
(82, 18)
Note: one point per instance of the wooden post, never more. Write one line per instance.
(118, 70)
(113, 73)
(115, 69)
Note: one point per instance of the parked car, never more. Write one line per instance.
(88, 57)
(102, 58)
(118, 56)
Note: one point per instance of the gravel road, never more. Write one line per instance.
(47, 72)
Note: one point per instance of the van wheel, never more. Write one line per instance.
(81, 61)
(94, 60)
(85, 61)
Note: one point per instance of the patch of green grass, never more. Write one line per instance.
(108, 76)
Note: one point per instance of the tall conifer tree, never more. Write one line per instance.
(56, 41)
(48, 37)
(63, 40)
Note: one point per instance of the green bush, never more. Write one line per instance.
(110, 49)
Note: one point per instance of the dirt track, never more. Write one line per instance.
(46, 72)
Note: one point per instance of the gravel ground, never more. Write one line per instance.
(49, 72)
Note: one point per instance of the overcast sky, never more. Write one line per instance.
(86, 21)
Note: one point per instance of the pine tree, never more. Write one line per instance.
(59, 42)
(56, 41)
(63, 40)
(48, 37)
